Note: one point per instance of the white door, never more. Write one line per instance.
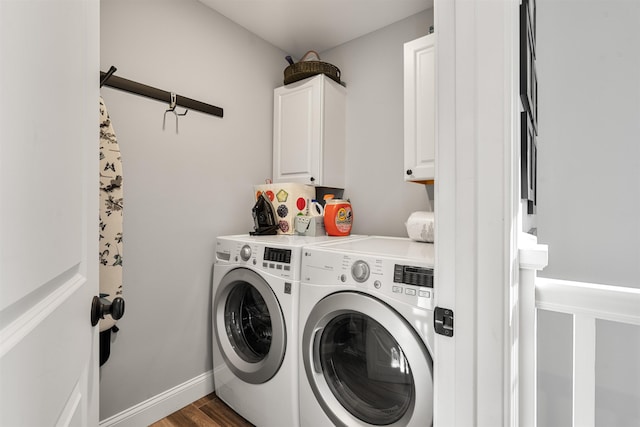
(49, 212)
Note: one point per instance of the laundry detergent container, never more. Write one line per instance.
(289, 200)
(338, 217)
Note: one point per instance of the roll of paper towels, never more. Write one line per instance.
(420, 226)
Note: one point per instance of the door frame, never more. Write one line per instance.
(477, 211)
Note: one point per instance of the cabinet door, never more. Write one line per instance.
(419, 108)
(297, 132)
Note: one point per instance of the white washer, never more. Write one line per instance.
(255, 323)
(366, 333)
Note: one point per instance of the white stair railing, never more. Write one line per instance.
(586, 302)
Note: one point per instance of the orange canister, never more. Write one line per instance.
(338, 217)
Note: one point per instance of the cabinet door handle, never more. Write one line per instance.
(312, 179)
(409, 172)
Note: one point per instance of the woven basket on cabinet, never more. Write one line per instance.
(302, 70)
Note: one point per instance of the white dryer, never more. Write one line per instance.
(366, 333)
(255, 325)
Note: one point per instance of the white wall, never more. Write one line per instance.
(181, 191)
(588, 63)
(372, 67)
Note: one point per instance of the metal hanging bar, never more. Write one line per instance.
(106, 76)
(108, 79)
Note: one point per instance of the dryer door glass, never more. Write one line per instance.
(248, 323)
(366, 369)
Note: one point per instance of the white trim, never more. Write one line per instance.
(71, 408)
(17, 330)
(614, 303)
(163, 404)
(532, 256)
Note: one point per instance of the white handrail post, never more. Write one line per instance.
(584, 375)
(528, 349)
(533, 257)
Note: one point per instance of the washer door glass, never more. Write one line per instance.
(366, 369)
(365, 362)
(248, 323)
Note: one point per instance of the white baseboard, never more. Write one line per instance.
(163, 404)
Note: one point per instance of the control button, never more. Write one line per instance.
(410, 291)
(254, 261)
(377, 284)
(278, 267)
(245, 252)
(424, 294)
(397, 289)
(360, 271)
(343, 278)
(265, 265)
(272, 265)
(287, 268)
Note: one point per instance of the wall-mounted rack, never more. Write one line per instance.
(108, 79)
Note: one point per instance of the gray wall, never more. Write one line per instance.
(181, 191)
(372, 67)
(588, 67)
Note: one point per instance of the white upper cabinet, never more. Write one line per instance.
(420, 109)
(309, 132)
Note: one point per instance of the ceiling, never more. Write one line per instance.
(297, 26)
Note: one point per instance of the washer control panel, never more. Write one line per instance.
(402, 279)
(412, 275)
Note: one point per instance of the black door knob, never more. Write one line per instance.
(312, 179)
(409, 172)
(101, 306)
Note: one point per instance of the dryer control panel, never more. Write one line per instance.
(277, 255)
(278, 261)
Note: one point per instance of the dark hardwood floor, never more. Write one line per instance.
(209, 411)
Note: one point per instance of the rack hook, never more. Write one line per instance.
(172, 108)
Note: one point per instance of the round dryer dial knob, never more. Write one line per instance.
(245, 252)
(360, 271)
